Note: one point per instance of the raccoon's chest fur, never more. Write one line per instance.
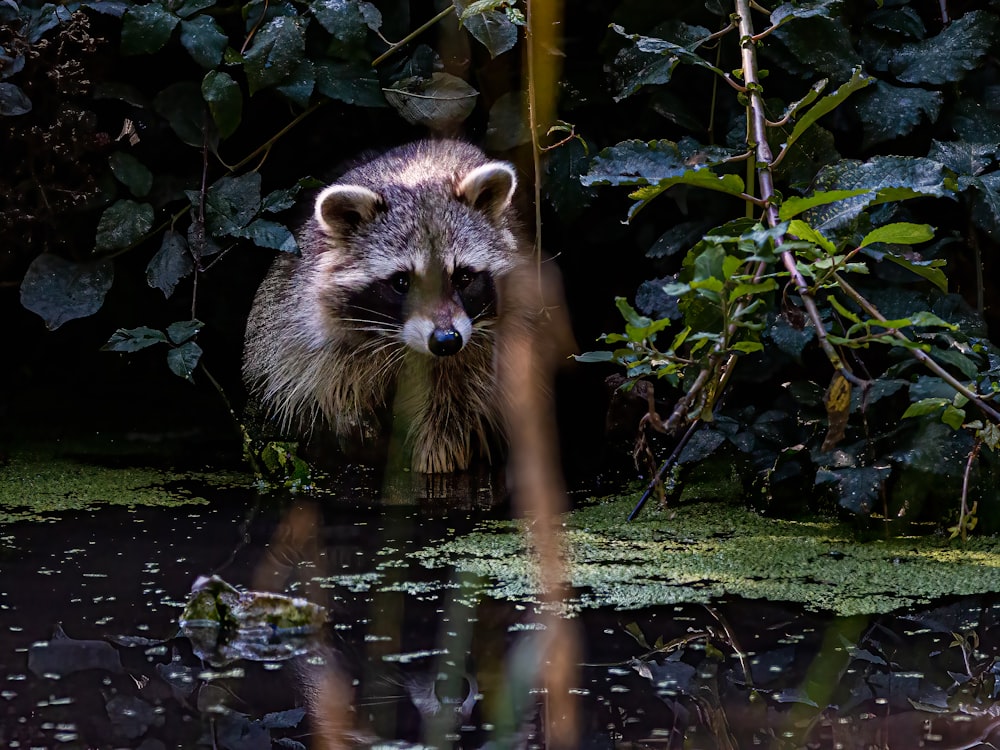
(395, 305)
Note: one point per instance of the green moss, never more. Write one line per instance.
(39, 481)
(699, 552)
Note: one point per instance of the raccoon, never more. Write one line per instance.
(391, 319)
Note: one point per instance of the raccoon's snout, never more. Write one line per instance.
(444, 342)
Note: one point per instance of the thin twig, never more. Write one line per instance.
(412, 35)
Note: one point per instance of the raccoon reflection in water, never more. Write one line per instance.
(412, 275)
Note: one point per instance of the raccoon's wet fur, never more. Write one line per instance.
(390, 321)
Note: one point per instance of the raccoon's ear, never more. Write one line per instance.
(488, 188)
(342, 208)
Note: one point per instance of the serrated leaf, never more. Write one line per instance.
(133, 339)
(272, 235)
(827, 104)
(787, 11)
(122, 224)
(204, 40)
(58, 290)
(491, 28)
(184, 359)
(131, 172)
(563, 167)
(276, 51)
(351, 83)
(231, 203)
(636, 163)
(440, 103)
(183, 330)
(822, 45)
(146, 28)
(644, 63)
(13, 100)
(964, 158)
(887, 177)
(171, 263)
(224, 99)
(684, 52)
(948, 56)
(986, 204)
(899, 233)
(888, 111)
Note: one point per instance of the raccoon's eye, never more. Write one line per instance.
(462, 277)
(400, 282)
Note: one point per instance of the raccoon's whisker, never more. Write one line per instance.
(377, 313)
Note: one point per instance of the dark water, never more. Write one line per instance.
(427, 662)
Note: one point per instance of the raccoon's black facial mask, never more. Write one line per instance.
(381, 302)
(476, 290)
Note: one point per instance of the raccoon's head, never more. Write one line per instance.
(419, 256)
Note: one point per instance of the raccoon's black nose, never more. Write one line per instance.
(444, 342)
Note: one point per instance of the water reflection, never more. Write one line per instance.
(417, 658)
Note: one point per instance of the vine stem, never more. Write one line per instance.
(918, 354)
(412, 35)
(757, 135)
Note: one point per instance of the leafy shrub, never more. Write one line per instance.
(815, 188)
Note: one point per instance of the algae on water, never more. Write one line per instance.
(700, 552)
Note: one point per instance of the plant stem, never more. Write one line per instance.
(412, 35)
(919, 354)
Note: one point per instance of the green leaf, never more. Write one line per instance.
(795, 205)
(122, 224)
(683, 52)
(899, 233)
(747, 347)
(964, 158)
(204, 40)
(491, 28)
(827, 104)
(284, 198)
(146, 28)
(352, 83)
(822, 45)
(507, 127)
(953, 417)
(184, 359)
(642, 63)
(348, 22)
(184, 330)
(440, 103)
(276, 51)
(986, 204)
(595, 357)
(925, 406)
(59, 290)
(730, 184)
(787, 11)
(563, 167)
(946, 57)
(629, 313)
(298, 87)
(133, 339)
(887, 177)
(636, 163)
(13, 100)
(184, 108)
(131, 172)
(171, 263)
(272, 235)
(231, 203)
(889, 111)
(803, 231)
(224, 99)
